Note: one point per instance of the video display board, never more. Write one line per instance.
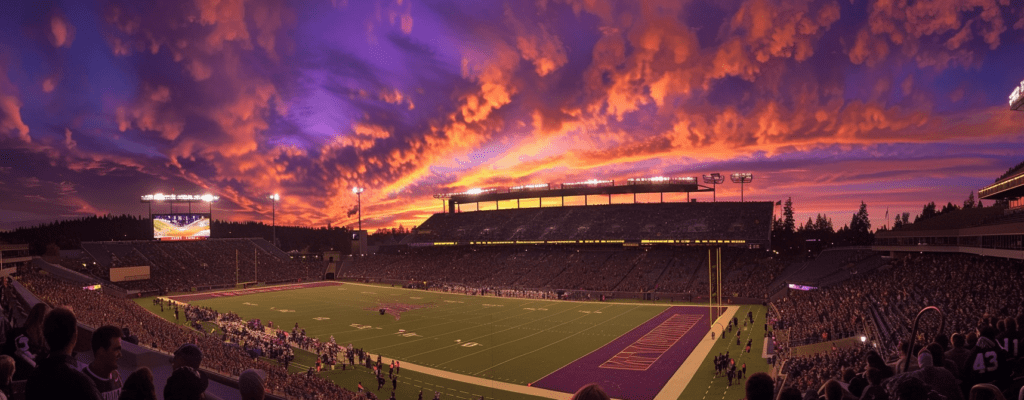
(181, 226)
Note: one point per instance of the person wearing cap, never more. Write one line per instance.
(250, 385)
(187, 382)
(55, 378)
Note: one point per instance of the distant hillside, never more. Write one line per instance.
(70, 234)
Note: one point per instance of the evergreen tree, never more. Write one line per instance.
(927, 212)
(969, 203)
(860, 226)
(789, 223)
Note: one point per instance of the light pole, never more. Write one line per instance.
(742, 178)
(359, 204)
(273, 214)
(714, 179)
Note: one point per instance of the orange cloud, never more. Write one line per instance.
(62, 33)
(10, 109)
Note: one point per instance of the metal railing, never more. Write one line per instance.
(913, 332)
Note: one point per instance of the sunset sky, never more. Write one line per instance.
(828, 102)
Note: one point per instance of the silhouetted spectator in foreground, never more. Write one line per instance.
(55, 378)
(250, 385)
(139, 386)
(187, 382)
(760, 386)
(590, 392)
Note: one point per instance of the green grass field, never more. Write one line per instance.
(510, 340)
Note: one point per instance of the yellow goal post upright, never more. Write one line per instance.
(714, 274)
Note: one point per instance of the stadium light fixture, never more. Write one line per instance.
(742, 178)
(863, 338)
(359, 204)
(274, 198)
(1017, 97)
(714, 179)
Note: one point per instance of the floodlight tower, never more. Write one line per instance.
(209, 199)
(1017, 98)
(742, 178)
(273, 214)
(714, 179)
(359, 204)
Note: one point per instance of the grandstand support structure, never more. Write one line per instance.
(913, 332)
(606, 188)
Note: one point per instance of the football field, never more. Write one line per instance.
(631, 349)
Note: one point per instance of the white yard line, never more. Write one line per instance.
(559, 341)
(516, 340)
(491, 333)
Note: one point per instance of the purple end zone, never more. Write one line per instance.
(635, 384)
(232, 293)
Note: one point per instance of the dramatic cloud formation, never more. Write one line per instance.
(896, 103)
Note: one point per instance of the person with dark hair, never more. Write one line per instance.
(833, 390)
(942, 340)
(940, 361)
(26, 343)
(875, 390)
(1009, 340)
(760, 386)
(905, 352)
(251, 385)
(987, 363)
(590, 392)
(874, 360)
(958, 354)
(54, 378)
(790, 393)
(187, 382)
(106, 351)
(139, 386)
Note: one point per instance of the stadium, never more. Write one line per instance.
(665, 300)
(186, 184)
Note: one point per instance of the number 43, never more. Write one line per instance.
(980, 365)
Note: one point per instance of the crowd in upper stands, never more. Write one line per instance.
(180, 266)
(695, 221)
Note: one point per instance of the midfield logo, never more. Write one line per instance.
(396, 309)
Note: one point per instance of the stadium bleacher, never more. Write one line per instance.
(692, 221)
(182, 265)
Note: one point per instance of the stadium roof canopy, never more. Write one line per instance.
(1008, 188)
(582, 190)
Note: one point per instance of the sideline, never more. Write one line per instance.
(675, 386)
(666, 305)
(472, 380)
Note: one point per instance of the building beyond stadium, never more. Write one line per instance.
(996, 231)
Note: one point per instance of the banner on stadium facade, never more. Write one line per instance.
(122, 274)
